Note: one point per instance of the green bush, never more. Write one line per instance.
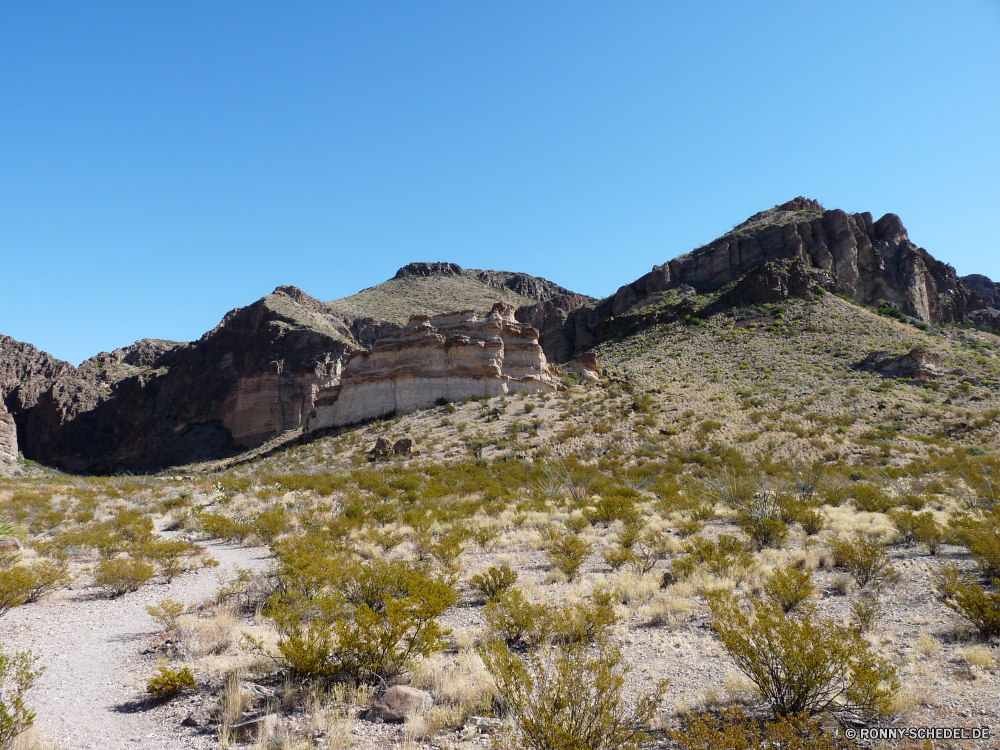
(979, 536)
(789, 587)
(168, 683)
(866, 611)
(918, 527)
(801, 662)
(719, 557)
(46, 576)
(17, 676)
(733, 730)
(122, 575)
(494, 581)
(166, 613)
(566, 552)
(872, 498)
(864, 556)
(972, 601)
(365, 621)
(518, 622)
(569, 697)
(15, 588)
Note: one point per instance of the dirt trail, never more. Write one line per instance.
(91, 648)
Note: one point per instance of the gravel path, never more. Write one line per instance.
(91, 647)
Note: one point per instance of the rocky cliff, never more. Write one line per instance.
(451, 357)
(8, 437)
(157, 403)
(872, 262)
(258, 373)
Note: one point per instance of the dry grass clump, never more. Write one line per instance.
(197, 638)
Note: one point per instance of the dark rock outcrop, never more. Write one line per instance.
(521, 283)
(789, 250)
(428, 269)
(158, 403)
(985, 287)
(774, 281)
(916, 363)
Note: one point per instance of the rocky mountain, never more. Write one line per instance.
(791, 249)
(257, 374)
(290, 361)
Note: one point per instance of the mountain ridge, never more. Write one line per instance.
(258, 373)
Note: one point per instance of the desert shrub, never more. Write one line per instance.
(18, 675)
(617, 556)
(809, 518)
(872, 498)
(732, 730)
(616, 505)
(918, 527)
(219, 526)
(15, 587)
(166, 613)
(494, 581)
(569, 697)
(122, 575)
(585, 622)
(648, 550)
(969, 599)
(718, 557)
(518, 622)
(979, 536)
(801, 662)
(168, 683)
(172, 556)
(447, 549)
(565, 552)
(365, 622)
(864, 556)
(866, 612)
(46, 576)
(789, 587)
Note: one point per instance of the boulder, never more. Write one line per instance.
(396, 704)
(916, 363)
(9, 542)
(405, 447)
(382, 447)
(585, 365)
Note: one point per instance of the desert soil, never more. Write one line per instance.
(91, 694)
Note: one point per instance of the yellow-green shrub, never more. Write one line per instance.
(122, 575)
(802, 662)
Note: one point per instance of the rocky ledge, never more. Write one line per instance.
(447, 357)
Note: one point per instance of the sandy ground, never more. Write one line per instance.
(90, 695)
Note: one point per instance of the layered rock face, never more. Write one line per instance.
(8, 437)
(452, 357)
(851, 254)
(159, 403)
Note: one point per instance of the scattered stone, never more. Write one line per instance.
(9, 542)
(396, 704)
(200, 718)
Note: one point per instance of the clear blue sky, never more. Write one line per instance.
(162, 163)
